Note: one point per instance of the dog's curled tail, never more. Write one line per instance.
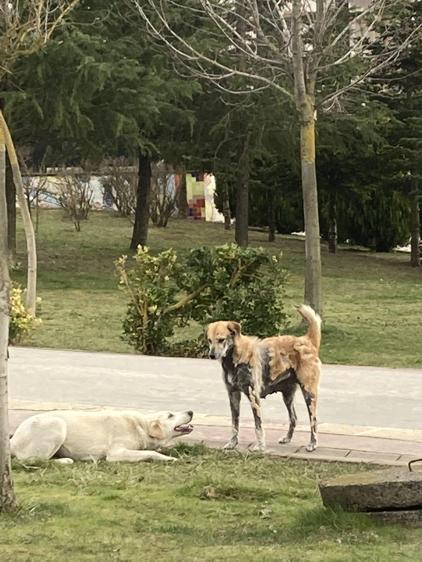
(314, 323)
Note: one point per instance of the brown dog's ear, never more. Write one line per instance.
(155, 430)
(234, 328)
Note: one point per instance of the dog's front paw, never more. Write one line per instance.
(169, 459)
(64, 460)
(232, 444)
(284, 440)
(311, 447)
(257, 448)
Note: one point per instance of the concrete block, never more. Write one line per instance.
(378, 490)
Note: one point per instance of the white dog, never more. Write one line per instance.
(111, 435)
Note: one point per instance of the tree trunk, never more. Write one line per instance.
(332, 226)
(31, 285)
(304, 98)
(415, 230)
(226, 209)
(311, 216)
(7, 496)
(143, 196)
(242, 197)
(271, 217)
(242, 211)
(182, 198)
(11, 214)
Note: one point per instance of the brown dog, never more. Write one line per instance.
(261, 367)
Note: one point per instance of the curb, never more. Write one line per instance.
(360, 444)
(411, 435)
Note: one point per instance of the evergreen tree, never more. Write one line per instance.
(98, 90)
(400, 87)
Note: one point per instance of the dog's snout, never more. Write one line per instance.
(212, 354)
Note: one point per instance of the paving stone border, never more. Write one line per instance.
(333, 447)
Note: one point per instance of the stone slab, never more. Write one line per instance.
(374, 491)
(411, 517)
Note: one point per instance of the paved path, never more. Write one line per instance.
(363, 411)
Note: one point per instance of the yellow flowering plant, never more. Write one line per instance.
(21, 322)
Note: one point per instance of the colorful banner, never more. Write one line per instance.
(195, 192)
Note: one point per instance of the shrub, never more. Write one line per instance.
(120, 185)
(207, 284)
(163, 196)
(75, 197)
(243, 284)
(152, 286)
(196, 347)
(21, 322)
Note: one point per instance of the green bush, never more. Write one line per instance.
(207, 284)
(152, 287)
(243, 284)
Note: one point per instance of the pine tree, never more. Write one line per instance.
(400, 87)
(98, 90)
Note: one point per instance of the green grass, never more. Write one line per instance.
(372, 302)
(208, 506)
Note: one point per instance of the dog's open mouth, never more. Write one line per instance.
(184, 428)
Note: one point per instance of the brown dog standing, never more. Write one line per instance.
(257, 368)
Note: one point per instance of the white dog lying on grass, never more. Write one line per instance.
(111, 435)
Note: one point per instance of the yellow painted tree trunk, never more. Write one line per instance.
(313, 290)
(305, 103)
(31, 286)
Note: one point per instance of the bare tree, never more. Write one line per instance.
(163, 196)
(35, 188)
(120, 186)
(75, 197)
(302, 48)
(25, 27)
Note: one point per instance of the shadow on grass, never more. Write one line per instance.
(321, 524)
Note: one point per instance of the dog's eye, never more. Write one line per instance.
(209, 340)
(170, 416)
(221, 340)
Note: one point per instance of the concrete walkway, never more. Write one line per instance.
(366, 414)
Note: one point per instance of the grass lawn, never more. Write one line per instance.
(208, 506)
(372, 302)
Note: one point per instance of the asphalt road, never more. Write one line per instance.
(363, 396)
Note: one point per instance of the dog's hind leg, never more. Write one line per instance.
(256, 410)
(38, 437)
(234, 398)
(288, 397)
(308, 375)
(310, 394)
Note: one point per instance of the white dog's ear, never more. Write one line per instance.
(156, 430)
(234, 328)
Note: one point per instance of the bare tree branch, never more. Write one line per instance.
(289, 45)
(25, 27)
(183, 49)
